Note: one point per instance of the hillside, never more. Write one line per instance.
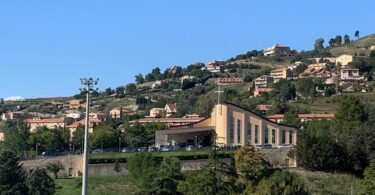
(359, 46)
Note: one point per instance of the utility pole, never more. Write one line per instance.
(88, 84)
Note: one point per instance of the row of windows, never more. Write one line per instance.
(256, 134)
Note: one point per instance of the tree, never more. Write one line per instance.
(356, 34)
(166, 179)
(319, 44)
(78, 136)
(216, 177)
(16, 138)
(291, 117)
(12, 176)
(55, 168)
(250, 164)
(139, 79)
(282, 182)
(369, 178)
(104, 136)
(40, 183)
(338, 40)
(131, 88)
(117, 166)
(332, 42)
(204, 106)
(346, 39)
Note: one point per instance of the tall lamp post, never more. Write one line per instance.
(88, 87)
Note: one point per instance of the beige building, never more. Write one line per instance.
(13, 116)
(120, 112)
(282, 73)
(350, 74)
(1, 136)
(344, 60)
(233, 125)
(259, 91)
(278, 50)
(75, 104)
(229, 80)
(50, 123)
(263, 81)
(372, 48)
(157, 112)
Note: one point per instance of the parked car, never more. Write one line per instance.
(152, 149)
(190, 148)
(166, 148)
(97, 151)
(129, 149)
(142, 149)
(176, 148)
(284, 146)
(263, 146)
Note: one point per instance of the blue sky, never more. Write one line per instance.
(46, 46)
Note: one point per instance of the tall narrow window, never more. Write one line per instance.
(290, 137)
(248, 133)
(231, 130)
(266, 135)
(256, 134)
(273, 136)
(238, 131)
(283, 137)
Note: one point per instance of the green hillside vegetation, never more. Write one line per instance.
(359, 47)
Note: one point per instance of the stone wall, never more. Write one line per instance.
(73, 163)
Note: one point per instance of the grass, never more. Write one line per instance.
(329, 183)
(97, 185)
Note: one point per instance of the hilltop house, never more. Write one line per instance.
(344, 60)
(233, 126)
(263, 81)
(120, 112)
(350, 74)
(215, 66)
(302, 117)
(170, 109)
(12, 116)
(50, 123)
(75, 104)
(263, 108)
(278, 50)
(259, 91)
(96, 117)
(372, 47)
(74, 115)
(282, 73)
(157, 112)
(229, 81)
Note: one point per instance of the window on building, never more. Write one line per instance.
(291, 137)
(248, 133)
(256, 134)
(266, 135)
(283, 137)
(231, 130)
(238, 131)
(273, 136)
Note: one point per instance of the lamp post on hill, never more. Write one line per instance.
(88, 87)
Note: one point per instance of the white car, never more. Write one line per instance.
(284, 146)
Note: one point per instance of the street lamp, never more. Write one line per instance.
(88, 87)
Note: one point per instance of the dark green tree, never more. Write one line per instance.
(12, 177)
(117, 167)
(139, 79)
(319, 44)
(332, 42)
(338, 40)
(204, 106)
(346, 39)
(16, 138)
(369, 178)
(40, 183)
(166, 179)
(291, 117)
(131, 88)
(356, 34)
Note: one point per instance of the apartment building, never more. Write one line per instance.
(263, 81)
